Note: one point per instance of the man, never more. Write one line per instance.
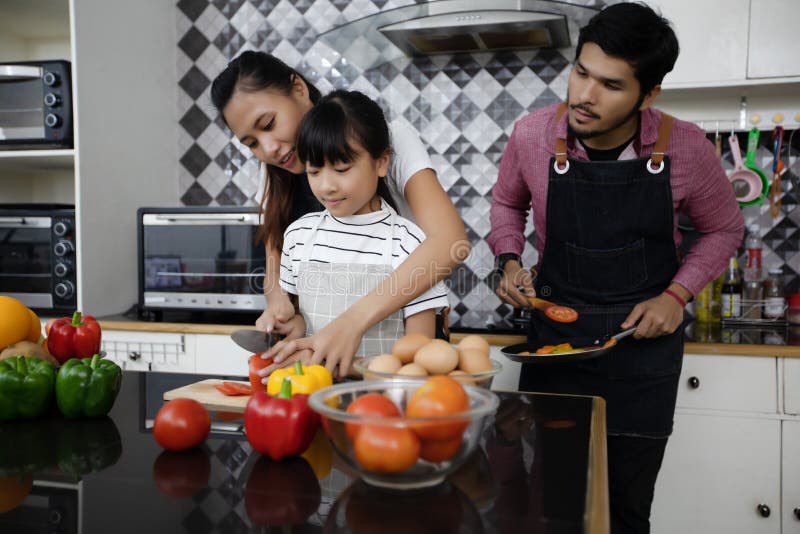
(606, 177)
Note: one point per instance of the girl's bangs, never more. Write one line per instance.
(327, 139)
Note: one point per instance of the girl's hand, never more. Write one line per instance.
(291, 329)
(336, 345)
(279, 310)
(303, 356)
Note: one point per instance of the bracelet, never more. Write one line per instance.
(677, 297)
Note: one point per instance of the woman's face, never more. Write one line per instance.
(267, 121)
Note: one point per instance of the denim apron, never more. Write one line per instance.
(609, 245)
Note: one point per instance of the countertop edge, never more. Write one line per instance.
(500, 340)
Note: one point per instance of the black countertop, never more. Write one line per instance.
(109, 475)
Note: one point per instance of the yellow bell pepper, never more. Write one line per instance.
(319, 455)
(306, 379)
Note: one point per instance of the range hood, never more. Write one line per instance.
(453, 26)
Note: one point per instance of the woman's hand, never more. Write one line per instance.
(279, 310)
(336, 345)
(291, 329)
(516, 285)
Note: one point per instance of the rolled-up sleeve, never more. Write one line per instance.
(511, 200)
(712, 206)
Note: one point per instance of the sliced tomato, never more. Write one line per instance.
(233, 389)
(561, 314)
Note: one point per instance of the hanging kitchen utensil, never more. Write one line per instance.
(776, 189)
(526, 352)
(254, 341)
(750, 159)
(793, 179)
(747, 185)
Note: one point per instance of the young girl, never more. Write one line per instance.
(332, 258)
(263, 101)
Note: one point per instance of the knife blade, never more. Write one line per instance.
(254, 340)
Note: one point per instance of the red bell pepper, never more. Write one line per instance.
(75, 337)
(280, 426)
(281, 493)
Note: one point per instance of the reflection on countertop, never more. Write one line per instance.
(765, 334)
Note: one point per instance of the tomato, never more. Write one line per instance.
(256, 363)
(561, 314)
(370, 404)
(386, 449)
(439, 450)
(438, 396)
(233, 388)
(182, 474)
(181, 424)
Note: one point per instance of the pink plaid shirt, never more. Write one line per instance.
(700, 189)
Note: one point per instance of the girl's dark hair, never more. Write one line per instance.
(637, 34)
(339, 120)
(251, 72)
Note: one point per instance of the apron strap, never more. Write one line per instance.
(660, 148)
(309, 244)
(561, 143)
(387, 252)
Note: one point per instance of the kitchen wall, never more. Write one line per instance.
(464, 107)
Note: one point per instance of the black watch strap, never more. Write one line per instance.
(501, 259)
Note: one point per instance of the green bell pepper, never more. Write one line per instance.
(88, 446)
(26, 387)
(87, 388)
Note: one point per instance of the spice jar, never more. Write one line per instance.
(793, 315)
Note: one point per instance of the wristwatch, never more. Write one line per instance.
(501, 259)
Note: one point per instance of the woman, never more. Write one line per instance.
(263, 101)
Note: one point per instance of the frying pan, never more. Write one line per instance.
(747, 185)
(597, 348)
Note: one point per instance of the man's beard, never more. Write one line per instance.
(595, 133)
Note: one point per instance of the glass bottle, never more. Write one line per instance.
(774, 302)
(731, 295)
(753, 248)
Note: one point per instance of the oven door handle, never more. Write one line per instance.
(202, 218)
(25, 222)
(13, 73)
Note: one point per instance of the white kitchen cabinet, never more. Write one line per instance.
(713, 40)
(790, 507)
(124, 81)
(791, 386)
(219, 355)
(149, 351)
(717, 472)
(772, 50)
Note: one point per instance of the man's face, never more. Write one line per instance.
(604, 98)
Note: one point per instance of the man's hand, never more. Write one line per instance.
(515, 277)
(657, 316)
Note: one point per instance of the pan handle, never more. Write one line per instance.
(624, 333)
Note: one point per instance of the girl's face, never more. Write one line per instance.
(349, 188)
(267, 121)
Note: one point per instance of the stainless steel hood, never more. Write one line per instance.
(451, 26)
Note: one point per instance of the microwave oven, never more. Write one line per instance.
(35, 105)
(37, 256)
(199, 259)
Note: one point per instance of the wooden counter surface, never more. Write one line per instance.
(500, 340)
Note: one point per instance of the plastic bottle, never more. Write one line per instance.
(753, 248)
(731, 291)
(774, 302)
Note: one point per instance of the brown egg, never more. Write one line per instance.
(405, 347)
(474, 342)
(412, 369)
(473, 361)
(438, 357)
(385, 363)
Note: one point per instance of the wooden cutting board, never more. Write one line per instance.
(206, 394)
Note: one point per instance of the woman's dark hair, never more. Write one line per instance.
(637, 34)
(338, 120)
(251, 72)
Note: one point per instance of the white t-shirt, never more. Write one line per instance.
(356, 239)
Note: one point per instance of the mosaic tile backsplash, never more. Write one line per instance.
(464, 107)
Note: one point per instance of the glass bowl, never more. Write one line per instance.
(482, 379)
(332, 402)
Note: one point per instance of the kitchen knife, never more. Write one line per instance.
(254, 340)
